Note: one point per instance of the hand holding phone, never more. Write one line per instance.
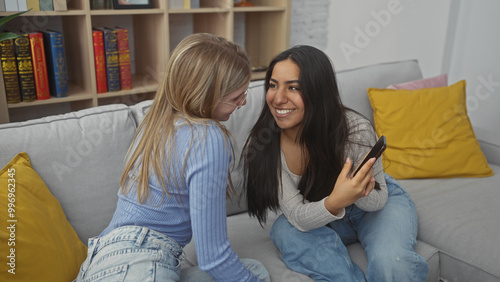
(375, 152)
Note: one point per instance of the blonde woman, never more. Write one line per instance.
(176, 177)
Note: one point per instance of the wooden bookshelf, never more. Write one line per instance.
(153, 33)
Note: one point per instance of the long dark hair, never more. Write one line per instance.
(324, 133)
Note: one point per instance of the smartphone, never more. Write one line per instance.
(375, 152)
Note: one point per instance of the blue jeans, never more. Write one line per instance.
(134, 253)
(194, 274)
(388, 237)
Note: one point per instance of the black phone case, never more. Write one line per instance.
(375, 152)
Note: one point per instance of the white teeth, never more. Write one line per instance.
(282, 112)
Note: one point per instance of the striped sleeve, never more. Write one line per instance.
(302, 214)
(206, 179)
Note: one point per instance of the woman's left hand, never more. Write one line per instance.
(349, 189)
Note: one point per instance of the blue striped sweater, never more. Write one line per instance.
(198, 209)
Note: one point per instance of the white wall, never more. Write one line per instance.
(309, 23)
(457, 37)
(368, 32)
(475, 57)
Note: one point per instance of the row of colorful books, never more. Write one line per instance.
(34, 66)
(172, 4)
(112, 59)
(34, 5)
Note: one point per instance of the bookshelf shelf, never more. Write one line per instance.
(198, 11)
(259, 9)
(142, 84)
(53, 100)
(258, 75)
(126, 12)
(54, 13)
(153, 34)
(127, 92)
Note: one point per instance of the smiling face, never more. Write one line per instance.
(284, 98)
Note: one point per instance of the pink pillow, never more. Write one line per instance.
(432, 82)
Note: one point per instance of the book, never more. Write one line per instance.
(175, 4)
(59, 5)
(11, 6)
(46, 5)
(9, 69)
(56, 63)
(34, 5)
(124, 58)
(191, 4)
(101, 4)
(22, 5)
(39, 65)
(108, 4)
(111, 54)
(100, 61)
(25, 68)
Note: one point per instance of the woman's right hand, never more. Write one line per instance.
(349, 189)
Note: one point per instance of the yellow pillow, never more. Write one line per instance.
(429, 134)
(37, 243)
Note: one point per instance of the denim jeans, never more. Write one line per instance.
(194, 274)
(134, 253)
(388, 237)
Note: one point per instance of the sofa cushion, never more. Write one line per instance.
(80, 156)
(353, 83)
(239, 125)
(243, 229)
(431, 82)
(139, 110)
(458, 217)
(34, 226)
(428, 133)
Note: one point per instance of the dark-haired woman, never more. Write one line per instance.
(298, 160)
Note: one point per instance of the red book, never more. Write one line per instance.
(100, 61)
(39, 66)
(124, 58)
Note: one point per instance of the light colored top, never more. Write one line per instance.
(198, 209)
(305, 215)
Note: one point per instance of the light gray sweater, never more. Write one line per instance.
(305, 215)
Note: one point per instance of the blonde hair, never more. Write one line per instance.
(202, 69)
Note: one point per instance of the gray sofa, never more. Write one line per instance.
(80, 157)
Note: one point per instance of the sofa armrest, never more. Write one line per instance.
(489, 141)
